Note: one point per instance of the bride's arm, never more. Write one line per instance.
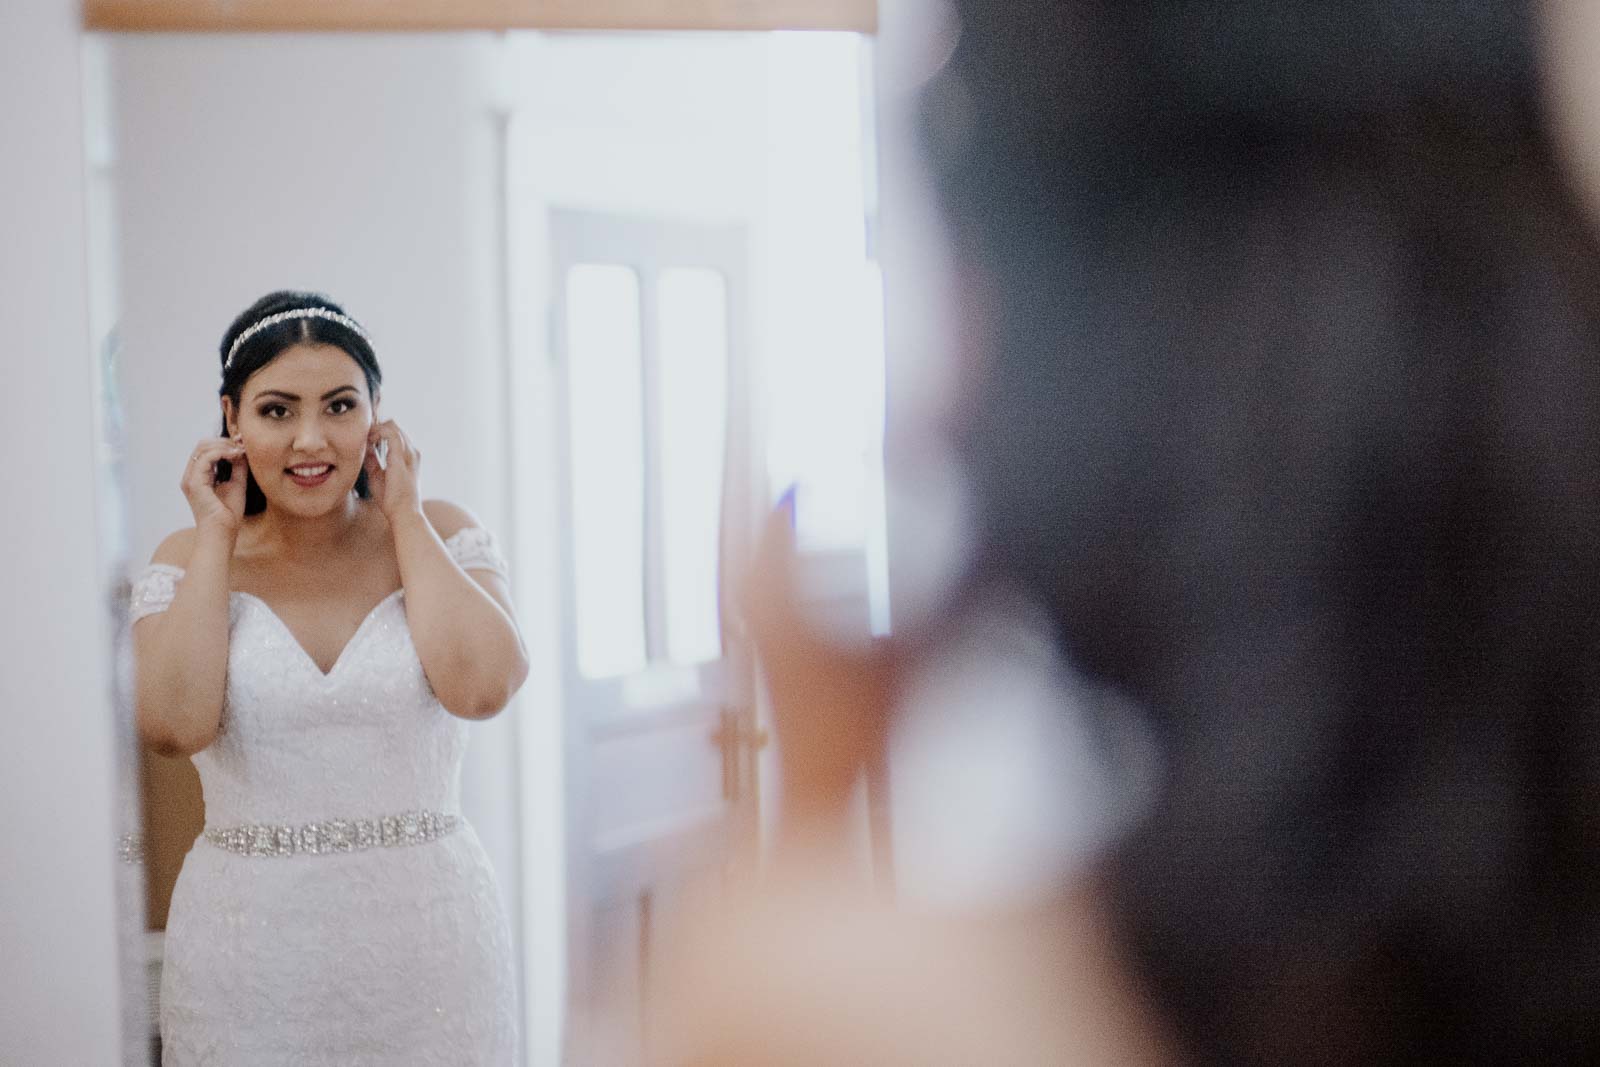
(462, 623)
(181, 653)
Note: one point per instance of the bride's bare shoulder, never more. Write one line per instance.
(175, 549)
(446, 518)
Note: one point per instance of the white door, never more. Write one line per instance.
(650, 328)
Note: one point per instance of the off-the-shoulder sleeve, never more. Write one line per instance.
(153, 590)
(474, 548)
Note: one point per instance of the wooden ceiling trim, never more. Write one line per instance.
(225, 16)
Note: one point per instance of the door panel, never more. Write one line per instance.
(650, 335)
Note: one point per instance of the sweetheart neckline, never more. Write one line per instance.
(349, 641)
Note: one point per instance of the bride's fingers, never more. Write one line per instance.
(233, 490)
(201, 470)
(373, 460)
(375, 473)
(412, 453)
(213, 449)
(394, 443)
(400, 444)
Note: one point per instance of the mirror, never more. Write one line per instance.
(623, 288)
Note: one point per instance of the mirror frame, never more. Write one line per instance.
(389, 16)
(378, 16)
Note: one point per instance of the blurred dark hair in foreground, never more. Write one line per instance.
(1289, 415)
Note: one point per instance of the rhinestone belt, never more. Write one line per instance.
(337, 835)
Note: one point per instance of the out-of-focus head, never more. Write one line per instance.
(1288, 413)
(1198, 227)
(300, 384)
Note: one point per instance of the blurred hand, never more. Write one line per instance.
(811, 965)
(831, 703)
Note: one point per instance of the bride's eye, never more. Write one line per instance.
(349, 405)
(273, 411)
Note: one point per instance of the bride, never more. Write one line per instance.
(316, 643)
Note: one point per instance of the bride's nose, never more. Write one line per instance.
(308, 436)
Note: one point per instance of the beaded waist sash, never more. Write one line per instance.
(336, 835)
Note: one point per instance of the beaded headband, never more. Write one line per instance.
(284, 316)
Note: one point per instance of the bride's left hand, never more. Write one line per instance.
(394, 483)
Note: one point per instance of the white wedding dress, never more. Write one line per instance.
(337, 909)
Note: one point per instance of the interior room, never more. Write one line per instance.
(799, 531)
(626, 271)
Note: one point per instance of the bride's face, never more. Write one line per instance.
(305, 419)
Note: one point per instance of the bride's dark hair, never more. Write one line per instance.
(266, 345)
(1289, 416)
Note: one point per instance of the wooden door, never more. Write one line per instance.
(650, 327)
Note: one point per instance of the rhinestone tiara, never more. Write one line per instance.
(284, 316)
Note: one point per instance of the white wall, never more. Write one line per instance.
(362, 166)
(59, 990)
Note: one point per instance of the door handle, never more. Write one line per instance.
(735, 735)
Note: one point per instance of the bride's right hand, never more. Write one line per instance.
(214, 503)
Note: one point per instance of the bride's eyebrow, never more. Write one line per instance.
(329, 395)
